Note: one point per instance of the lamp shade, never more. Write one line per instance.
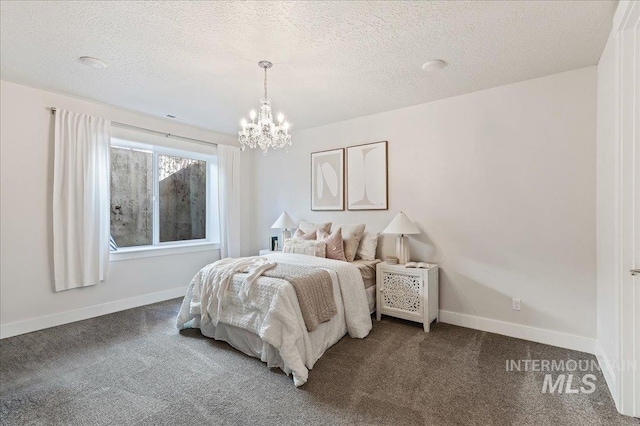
(401, 225)
(284, 222)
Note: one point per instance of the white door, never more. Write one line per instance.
(635, 276)
(634, 272)
(629, 50)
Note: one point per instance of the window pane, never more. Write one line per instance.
(183, 201)
(131, 197)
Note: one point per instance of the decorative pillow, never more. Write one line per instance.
(301, 235)
(335, 246)
(351, 234)
(368, 246)
(307, 227)
(310, 248)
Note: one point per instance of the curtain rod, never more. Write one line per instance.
(144, 129)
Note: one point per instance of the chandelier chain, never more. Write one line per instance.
(265, 82)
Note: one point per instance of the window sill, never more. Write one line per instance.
(164, 250)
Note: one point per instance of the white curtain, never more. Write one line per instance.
(229, 194)
(80, 199)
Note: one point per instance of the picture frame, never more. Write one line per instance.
(273, 243)
(368, 176)
(327, 180)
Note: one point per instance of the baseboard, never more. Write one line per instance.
(47, 321)
(539, 335)
(607, 371)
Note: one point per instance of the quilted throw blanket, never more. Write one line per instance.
(269, 306)
(314, 289)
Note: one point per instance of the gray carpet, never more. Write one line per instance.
(134, 367)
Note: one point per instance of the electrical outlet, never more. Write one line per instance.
(516, 304)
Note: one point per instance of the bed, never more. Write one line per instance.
(267, 322)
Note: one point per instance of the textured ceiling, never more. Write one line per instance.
(333, 60)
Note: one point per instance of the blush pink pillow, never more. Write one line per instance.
(335, 245)
(305, 236)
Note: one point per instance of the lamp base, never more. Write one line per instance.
(285, 235)
(402, 249)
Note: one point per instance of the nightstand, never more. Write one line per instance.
(267, 251)
(407, 293)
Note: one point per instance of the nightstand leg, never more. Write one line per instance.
(378, 315)
(426, 326)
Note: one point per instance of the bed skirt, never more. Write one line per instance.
(246, 342)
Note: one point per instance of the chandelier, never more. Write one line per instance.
(265, 133)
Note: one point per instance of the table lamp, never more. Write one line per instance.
(284, 222)
(402, 226)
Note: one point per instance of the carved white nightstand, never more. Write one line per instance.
(408, 293)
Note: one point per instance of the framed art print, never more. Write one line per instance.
(327, 180)
(367, 179)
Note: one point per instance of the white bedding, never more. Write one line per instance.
(272, 312)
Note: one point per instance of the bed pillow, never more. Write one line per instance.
(307, 227)
(335, 245)
(351, 234)
(310, 248)
(305, 236)
(368, 246)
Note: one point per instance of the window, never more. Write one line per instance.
(131, 197)
(161, 196)
(182, 197)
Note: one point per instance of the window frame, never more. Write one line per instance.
(157, 248)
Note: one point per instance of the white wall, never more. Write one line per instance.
(502, 183)
(27, 299)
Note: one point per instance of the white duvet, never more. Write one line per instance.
(270, 309)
